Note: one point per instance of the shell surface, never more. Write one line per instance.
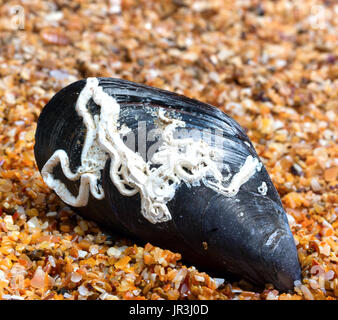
(170, 170)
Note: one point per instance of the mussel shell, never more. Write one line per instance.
(246, 235)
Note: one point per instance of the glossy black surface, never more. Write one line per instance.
(222, 235)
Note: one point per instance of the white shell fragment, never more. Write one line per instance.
(263, 189)
(177, 161)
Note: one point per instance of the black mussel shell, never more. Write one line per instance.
(246, 235)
